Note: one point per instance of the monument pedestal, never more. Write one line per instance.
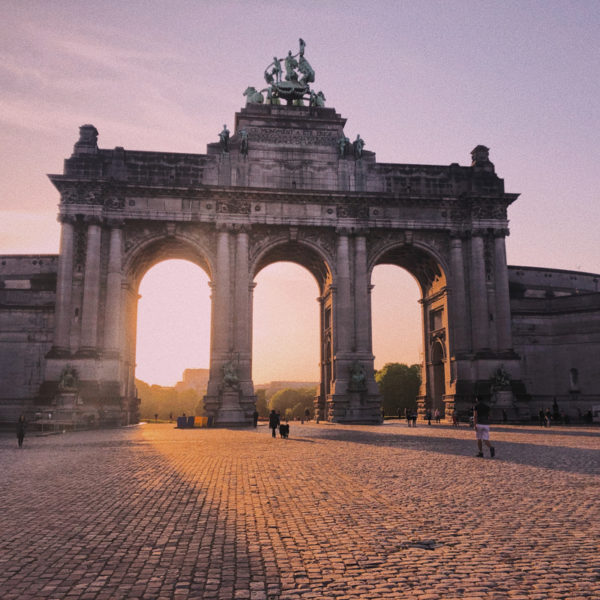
(230, 413)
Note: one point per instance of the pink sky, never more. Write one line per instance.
(422, 82)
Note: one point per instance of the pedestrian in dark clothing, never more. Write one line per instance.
(21, 425)
(413, 417)
(399, 414)
(481, 418)
(408, 416)
(273, 422)
(428, 417)
(255, 417)
(542, 418)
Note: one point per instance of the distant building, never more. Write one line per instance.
(194, 379)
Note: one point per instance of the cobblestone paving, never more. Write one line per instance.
(153, 512)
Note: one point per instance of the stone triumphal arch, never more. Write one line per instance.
(285, 185)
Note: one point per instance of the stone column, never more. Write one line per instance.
(112, 320)
(503, 319)
(479, 303)
(64, 286)
(343, 315)
(457, 287)
(91, 287)
(221, 300)
(243, 307)
(362, 309)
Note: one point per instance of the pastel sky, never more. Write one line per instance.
(422, 82)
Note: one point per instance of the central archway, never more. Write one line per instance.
(317, 263)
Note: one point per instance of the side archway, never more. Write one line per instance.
(430, 271)
(138, 259)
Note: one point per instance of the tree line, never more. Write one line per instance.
(398, 385)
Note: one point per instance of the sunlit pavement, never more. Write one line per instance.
(333, 512)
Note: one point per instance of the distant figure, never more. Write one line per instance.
(399, 414)
(255, 417)
(307, 414)
(455, 418)
(224, 139)
(408, 415)
(548, 416)
(243, 142)
(541, 418)
(428, 416)
(21, 425)
(481, 418)
(273, 422)
(413, 417)
(156, 417)
(358, 145)
(436, 415)
(170, 417)
(504, 416)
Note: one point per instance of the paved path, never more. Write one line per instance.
(338, 512)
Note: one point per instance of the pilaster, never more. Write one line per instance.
(503, 319)
(64, 286)
(479, 302)
(91, 287)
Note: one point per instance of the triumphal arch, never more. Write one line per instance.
(286, 184)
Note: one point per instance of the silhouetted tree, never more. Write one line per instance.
(261, 403)
(399, 385)
(161, 400)
(292, 403)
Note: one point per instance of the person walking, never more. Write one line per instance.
(21, 425)
(255, 418)
(481, 419)
(273, 422)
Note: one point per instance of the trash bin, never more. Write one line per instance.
(190, 421)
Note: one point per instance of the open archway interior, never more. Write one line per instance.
(173, 322)
(285, 325)
(396, 317)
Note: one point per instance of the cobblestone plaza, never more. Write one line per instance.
(152, 512)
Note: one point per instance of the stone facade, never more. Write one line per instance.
(27, 297)
(556, 332)
(291, 194)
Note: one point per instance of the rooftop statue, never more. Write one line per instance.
(293, 86)
(358, 144)
(224, 139)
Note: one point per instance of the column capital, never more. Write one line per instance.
(93, 220)
(501, 233)
(343, 231)
(114, 223)
(458, 235)
(69, 219)
(224, 227)
(479, 232)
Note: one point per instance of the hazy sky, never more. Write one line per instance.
(422, 82)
